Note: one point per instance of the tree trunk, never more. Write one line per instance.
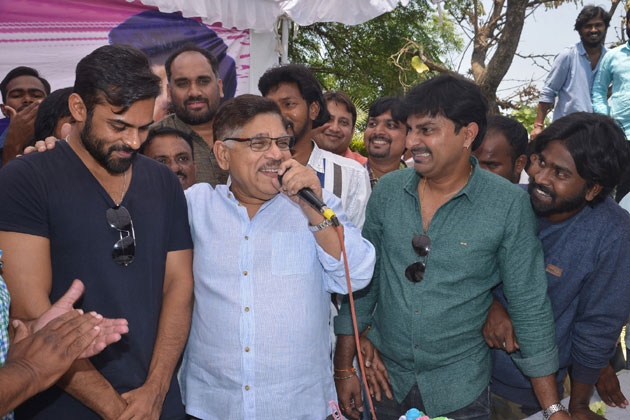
(489, 76)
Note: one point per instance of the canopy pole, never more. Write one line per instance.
(284, 59)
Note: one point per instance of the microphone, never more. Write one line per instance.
(314, 201)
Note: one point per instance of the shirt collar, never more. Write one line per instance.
(582, 50)
(469, 191)
(316, 160)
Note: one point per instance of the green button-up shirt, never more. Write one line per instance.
(208, 169)
(429, 333)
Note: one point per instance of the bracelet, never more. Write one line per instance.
(322, 225)
(346, 370)
(339, 378)
(537, 124)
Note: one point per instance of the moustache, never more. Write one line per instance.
(379, 137)
(196, 99)
(533, 185)
(180, 173)
(122, 148)
(420, 149)
(271, 165)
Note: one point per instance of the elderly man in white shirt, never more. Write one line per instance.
(265, 265)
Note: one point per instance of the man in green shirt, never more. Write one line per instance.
(423, 313)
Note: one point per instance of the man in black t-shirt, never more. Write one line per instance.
(94, 209)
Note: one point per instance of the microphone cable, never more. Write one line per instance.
(354, 319)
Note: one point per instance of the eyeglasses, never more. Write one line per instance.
(262, 144)
(422, 245)
(124, 250)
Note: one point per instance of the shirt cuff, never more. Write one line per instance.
(584, 374)
(343, 324)
(547, 96)
(542, 364)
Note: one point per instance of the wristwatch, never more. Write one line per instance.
(322, 225)
(553, 409)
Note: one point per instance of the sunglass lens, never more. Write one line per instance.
(118, 218)
(415, 272)
(124, 250)
(421, 244)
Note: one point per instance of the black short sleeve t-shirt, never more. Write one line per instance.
(54, 195)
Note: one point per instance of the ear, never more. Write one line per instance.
(223, 154)
(77, 108)
(220, 85)
(470, 133)
(519, 164)
(593, 192)
(313, 110)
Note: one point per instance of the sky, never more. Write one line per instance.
(547, 31)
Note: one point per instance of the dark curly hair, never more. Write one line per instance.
(308, 84)
(597, 145)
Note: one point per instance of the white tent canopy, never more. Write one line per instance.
(262, 15)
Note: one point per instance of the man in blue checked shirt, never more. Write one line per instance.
(571, 77)
(265, 266)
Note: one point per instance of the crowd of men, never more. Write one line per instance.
(218, 292)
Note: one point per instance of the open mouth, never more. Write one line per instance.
(420, 155)
(270, 172)
(380, 142)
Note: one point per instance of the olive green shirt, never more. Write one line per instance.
(430, 333)
(208, 169)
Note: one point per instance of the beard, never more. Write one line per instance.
(554, 206)
(193, 118)
(96, 148)
(302, 132)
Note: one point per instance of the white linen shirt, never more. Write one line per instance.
(259, 345)
(346, 179)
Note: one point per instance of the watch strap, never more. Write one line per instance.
(322, 225)
(553, 409)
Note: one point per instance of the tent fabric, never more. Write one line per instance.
(262, 15)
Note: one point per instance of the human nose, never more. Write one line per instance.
(542, 177)
(194, 90)
(274, 151)
(412, 140)
(133, 139)
(334, 126)
(173, 165)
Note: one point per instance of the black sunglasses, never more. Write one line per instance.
(422, 245)
(124, 250)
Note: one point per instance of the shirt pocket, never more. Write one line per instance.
(292, 253)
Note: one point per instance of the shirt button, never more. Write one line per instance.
(244, 273)
(240, 205)
(247, 309)
(229, 195)
(246, 237)
(246, 349)
(417, 312)
(417, 346)
(246, 387)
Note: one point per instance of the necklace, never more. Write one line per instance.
(122, 193)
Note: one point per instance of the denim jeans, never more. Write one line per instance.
(391, 410)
